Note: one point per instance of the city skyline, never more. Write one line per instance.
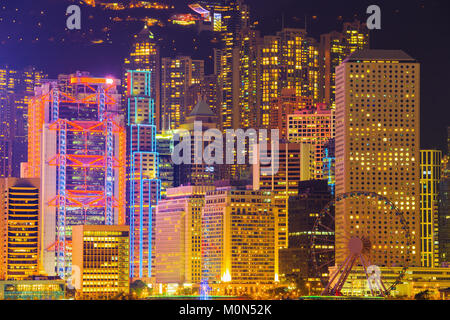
(221, 149)
(402, 22)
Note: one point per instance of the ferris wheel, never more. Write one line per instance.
(358, 247)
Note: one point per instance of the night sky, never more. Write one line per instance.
(32, 32)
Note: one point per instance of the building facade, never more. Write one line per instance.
(178, 235)
(19, 228)
(334, 48)
(144, 185)
(377, 150)
(77, 146)
(313, 196)
(430, 172)
(314, 127)
(239, 241)
(16, 89)
(145, 56)
(101, 261)
(444, 210)
(177, 75)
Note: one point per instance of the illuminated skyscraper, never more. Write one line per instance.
(77, 146)
(145, 56)
(167, 173)
(334, 48)
(178, 235)
(294, 164)
(246, 80)
(377, 150)
(282, 106)
(444, 207)
(270, 75)
(177, 76)
(19, 228)
(289, 60)
(198, 172)
(144, 186)
(230, 18)
(313, 126)
(239, 241)
(304, 209)
(16, 89)
(299, 63)
(430, 174)
(102, 255)
(329, 164)
(205, 90)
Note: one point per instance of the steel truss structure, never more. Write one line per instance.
(81, 115)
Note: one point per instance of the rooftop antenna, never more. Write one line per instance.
(282, 21)
(306, 29)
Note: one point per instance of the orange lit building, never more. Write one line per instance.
(77, 146)
(294, 166)
(378, 150)
(239, 241)
(19, 228)
(315, 127)
(177, 76)
(286, 103)
(101, 254)
(334, 48)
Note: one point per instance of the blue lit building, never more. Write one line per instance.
(144, 185)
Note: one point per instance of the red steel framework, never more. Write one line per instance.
(94, 92)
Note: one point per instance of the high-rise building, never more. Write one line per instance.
(286, 103)
(246, 80)
(315, 127)
(377, 150)
(167, 174)
(444, 207)
(205, 90)
(313, 195)
(144, 185)
(16, 89)
(77, 146)
(430, 175)
(270, 76)
(197, 172)
(329, 164)
(177, 75)
(289, 60)
(101, 254)
(145, 56)
(178, 235)
(299, 62)
(294, 163)
(19, 228)
(239, 241)
(334, 48)
(230, 18)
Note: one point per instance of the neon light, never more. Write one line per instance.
(61, 186)
(77, 199)
(143, 173)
